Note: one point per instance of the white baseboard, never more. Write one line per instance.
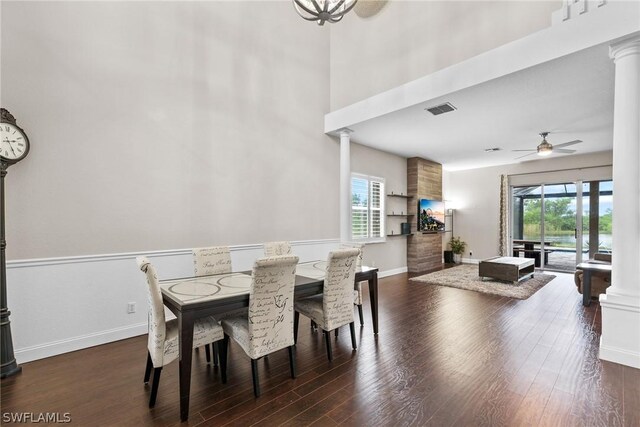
(392, 272)
(54, 348)
(618, 355)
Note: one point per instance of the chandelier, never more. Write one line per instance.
(323, 10)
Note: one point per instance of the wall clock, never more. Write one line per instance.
(14, 144)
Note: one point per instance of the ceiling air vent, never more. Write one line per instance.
(441, 109)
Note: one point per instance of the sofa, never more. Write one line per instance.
(599, 281)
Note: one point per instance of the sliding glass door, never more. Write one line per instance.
(560, 225)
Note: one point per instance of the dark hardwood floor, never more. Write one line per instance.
(443, 357)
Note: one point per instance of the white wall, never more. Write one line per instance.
(476, 194)
(407, 40)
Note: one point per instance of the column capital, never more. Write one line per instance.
(345, 132)
(624, 47)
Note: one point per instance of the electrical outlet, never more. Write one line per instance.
(131, 307)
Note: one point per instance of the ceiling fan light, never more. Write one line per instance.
(544, 151)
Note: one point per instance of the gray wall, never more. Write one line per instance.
(407, 40)
(164, 125)
(393, 253)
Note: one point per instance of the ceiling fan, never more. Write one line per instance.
(545, 149)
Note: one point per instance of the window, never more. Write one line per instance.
(367, 206)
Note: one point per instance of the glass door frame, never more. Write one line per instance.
(578, 230)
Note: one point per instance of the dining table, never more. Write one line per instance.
(192, 298)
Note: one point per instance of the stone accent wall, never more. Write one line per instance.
(424, 181)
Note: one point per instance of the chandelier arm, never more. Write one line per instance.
(340, 14)
(317, 6)
(312, 18)
(303, 7)
(340, 3)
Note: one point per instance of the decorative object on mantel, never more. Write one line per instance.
(14, 146)
(466, 277)
(457, 247)
(323, 11)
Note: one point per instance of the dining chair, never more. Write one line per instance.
(334, 308)
(268, 325)
(277, 248)
(212, 260)
(207, 261)
(163, 341)
(358, 297)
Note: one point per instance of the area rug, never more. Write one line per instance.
(465, 276)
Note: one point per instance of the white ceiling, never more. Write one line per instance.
(571, 97)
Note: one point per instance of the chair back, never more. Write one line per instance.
(157, 325)
(337, 301)
(213, 260)
(277, 248)
(271, 304)
(360, 246)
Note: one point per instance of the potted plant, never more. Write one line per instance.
(457, 247)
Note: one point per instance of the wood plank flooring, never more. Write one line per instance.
(443, 357)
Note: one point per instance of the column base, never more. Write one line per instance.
(10, 369)
(620, 339)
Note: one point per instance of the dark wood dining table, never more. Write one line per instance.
(192, 298)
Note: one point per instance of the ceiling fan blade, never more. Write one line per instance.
(530, 154)
(562, 150)
(566, 144)
(524, 150)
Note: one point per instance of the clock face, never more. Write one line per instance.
(14, 144)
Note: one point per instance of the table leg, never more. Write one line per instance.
(373, 297)
(185, 325)
(586, 288)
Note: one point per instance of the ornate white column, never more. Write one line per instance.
(620, 340)
(345, 185)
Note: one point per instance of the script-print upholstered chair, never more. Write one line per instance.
(163, 345)
(334, 308)
(358, 295)
(277, 248)
(207, 261)
(268, 326)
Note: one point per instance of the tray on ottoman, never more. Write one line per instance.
(506, 268)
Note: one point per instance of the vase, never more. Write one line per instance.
(457, 258)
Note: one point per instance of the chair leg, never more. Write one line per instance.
(254, 373)
(327, 339)
(207, 353)
(147, 370)
(296, 322)
(154, 387)
(223, 358)
(216, 353)
(360, 314)
(352, 326)
(292, 361)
